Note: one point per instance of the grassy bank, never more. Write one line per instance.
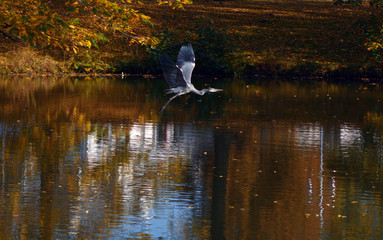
(289, 38)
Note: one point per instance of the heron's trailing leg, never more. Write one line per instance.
(170, 99)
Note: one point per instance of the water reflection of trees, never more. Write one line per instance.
(286, 179)
(75, 165)
(278, 160)
(90, 177)
(302, 161)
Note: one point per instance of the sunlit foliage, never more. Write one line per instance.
(31, 21)
(374, 42)
(81, 25)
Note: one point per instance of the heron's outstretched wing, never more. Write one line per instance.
(172, 73)
(186, 61)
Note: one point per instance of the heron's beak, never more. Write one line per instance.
(216, 90)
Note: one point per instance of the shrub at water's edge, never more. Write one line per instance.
(26, 60)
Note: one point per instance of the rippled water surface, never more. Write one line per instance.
(92, 158)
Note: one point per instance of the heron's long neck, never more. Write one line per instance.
(196, 91)
(203, 91)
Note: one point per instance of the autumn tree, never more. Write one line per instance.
(79, 24)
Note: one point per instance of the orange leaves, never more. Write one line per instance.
(33, 22)
(78, 25)
(78, 29)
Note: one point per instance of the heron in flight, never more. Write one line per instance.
(178, 75)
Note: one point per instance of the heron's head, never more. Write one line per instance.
(206, 90)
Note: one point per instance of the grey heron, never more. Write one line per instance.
(178, 75)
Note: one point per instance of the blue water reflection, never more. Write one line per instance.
(152, 199)
(143, 179)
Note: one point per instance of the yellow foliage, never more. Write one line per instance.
(33, 21)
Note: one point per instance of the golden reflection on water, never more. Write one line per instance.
(92, 158)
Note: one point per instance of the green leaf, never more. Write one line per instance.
(99, 67)
(14, 31)
(94, 42)
(75, 21)
(71, 9)
(147, 21)
(62, 23)
(106, 14)
(101, 36)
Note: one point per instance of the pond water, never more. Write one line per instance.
(91, 158)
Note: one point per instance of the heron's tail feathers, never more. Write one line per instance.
(175, 90)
